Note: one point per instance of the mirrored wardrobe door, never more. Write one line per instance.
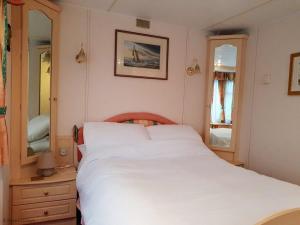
(222, 101)
(39, 72)
(225, 71)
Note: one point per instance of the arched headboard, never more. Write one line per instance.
(144, 118)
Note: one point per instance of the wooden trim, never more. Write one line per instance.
(240, 96)
(228, 37)
(213, 42)
(50, 5)
(139, 116)
(287, 217)
(19, 170)
(228, 156)
(62, 175)
(225, 68)
(292, 57)
(53, 15)
(15, 117)
(141, 34)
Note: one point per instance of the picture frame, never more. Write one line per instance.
(294, 74)
(139, 55)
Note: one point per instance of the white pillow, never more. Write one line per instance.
(171, 132)
(98, 134)
(38, 128)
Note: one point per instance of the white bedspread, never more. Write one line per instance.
(175, 183)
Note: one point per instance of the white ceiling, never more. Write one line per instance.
(202, 14)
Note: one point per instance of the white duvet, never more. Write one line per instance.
(175, 183)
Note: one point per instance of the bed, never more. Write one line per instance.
(177, 182)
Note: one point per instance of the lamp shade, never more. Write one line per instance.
(46, 161)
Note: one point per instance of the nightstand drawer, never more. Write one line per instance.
(43, 192)
(39, 212)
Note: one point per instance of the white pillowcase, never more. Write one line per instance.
(38, 128)
(171, 132)
(97, 134)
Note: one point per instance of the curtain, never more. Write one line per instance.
(3, 60)
(216, 107)
(222, 97)
(224, 75)
(228, 100)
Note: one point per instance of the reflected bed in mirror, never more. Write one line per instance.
(223, 95)
(39, 55)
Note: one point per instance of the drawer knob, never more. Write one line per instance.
(45, 213)
(46, 193)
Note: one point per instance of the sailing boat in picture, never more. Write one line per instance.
(142, 55)
(135, 55)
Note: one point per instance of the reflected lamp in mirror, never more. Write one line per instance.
(193, 69)
(46, 164)
(81, 56)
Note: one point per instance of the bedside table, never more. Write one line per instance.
(237, 163)
(50, 201)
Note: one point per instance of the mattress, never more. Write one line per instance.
(175, 182)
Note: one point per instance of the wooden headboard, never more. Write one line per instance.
(144, 118)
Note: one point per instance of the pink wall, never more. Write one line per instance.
(271, 118)
(91, 92)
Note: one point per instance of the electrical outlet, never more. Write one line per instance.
(63, 151)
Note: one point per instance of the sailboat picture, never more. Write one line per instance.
(141, 55)
(294, 76)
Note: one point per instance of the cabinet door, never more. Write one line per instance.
(39, 77)
(225, 72)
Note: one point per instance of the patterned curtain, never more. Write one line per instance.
(222, 100)
(3, 61)
(224, 75)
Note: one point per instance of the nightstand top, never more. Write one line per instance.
(61, 175)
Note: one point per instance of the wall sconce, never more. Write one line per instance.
(193, 69)
(81, 56)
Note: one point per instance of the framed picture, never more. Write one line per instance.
(141, 55)
(294, 79)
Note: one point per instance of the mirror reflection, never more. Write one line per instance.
(39, 82)
(223, 95)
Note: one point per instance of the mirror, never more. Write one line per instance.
(224, 74)
(39, 82)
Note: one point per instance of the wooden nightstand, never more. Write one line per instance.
(50, 201)
(237, 163)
